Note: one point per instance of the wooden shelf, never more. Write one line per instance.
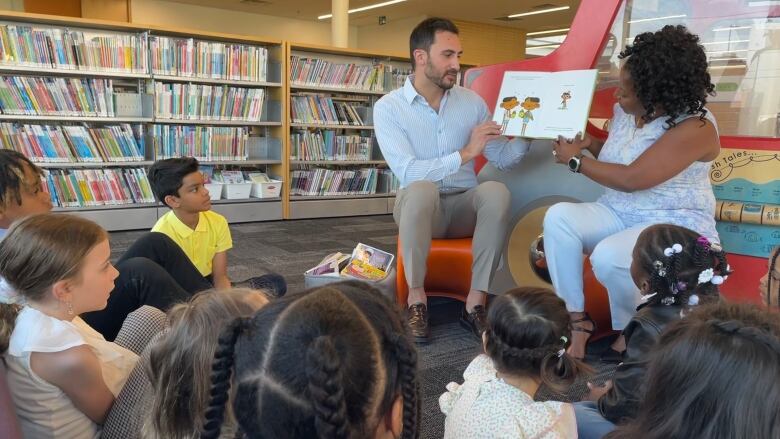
(240, 162)
(246, 200)
(338, 162)
(74, 118)
(106, 207)
(332, 126)
(241, 123)
(337, 197)
(92, 164)
(336, 90)
(198, 80)
(52, 71)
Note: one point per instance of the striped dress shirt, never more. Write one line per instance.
(420, 144)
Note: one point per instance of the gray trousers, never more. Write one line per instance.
(422, 213)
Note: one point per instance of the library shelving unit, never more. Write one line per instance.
(335, 167)
(94, 103)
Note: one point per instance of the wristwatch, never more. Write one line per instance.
(575, 163)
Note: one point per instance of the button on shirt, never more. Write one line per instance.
(420, 144)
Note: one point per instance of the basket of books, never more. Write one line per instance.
(365, 263)
(264, 186)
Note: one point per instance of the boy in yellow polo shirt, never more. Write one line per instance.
(203, 235)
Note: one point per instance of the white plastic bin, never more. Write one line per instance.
(236, 191)
(272, 189)
(215, 190)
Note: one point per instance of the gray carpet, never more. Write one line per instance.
(291, 247)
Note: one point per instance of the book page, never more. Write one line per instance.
(545, 105)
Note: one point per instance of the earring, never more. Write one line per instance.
(69, 304)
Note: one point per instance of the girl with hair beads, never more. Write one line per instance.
(63, 374)
(714, 374)
(333, 362)
(180, 363)
(675, 269)
(525, 345)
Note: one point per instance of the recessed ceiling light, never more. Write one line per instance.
(668, 17)
(544, 32)
(540, 11)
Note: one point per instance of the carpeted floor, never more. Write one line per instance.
(291, 247)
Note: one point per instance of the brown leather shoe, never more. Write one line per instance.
(417, 317)
(475, 321)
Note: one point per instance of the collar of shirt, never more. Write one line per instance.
(184, 230)
(410, 93)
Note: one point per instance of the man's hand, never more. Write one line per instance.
(597, 392)
(480, 136)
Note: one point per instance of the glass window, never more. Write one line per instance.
(742, 42)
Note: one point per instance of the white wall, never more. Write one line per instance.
(165, 13)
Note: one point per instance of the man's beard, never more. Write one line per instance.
(439, 80)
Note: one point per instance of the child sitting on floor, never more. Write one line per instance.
(525, 345)
(202, 234)
(63, 375)
(675, 269)
(713, 374)
(180, 363)
(333, 362)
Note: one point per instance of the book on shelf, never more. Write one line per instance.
(202, 142)
(368, 263)
(25, 45)
(330, 182)
(323, 109)
(545, 105)
(326, 145)
(52, 96)
(208, 102)
(74, 143)
(188, 57)
(388, 182)
(97, 187)
(317, 72)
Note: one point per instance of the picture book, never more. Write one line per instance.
(368, 263)
(331, 265)
(545, 105)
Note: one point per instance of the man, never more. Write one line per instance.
(429, 132)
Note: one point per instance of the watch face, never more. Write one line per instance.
(574, 163)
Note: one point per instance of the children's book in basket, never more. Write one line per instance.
(368, 263)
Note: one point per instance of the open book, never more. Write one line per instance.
(545, 105)
(368, 263)
(331, 265)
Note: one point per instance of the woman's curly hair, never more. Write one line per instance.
(669, 69)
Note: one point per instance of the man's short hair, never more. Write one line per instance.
(423, 35)
(12, 165)
(167, 176)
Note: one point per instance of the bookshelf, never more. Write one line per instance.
(94, 102)
(335, 167)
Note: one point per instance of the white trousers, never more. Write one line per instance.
(574, 229)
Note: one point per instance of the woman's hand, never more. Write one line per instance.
(564, 149)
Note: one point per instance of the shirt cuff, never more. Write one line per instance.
(452, 162)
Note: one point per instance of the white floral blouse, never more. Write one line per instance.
(485, 406)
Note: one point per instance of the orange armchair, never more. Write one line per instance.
(448, 273)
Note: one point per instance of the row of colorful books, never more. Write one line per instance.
(208, 59)
(322, 182)
(98, 187)
(209, 102)
(202, 142)
(322, 109)
(74, 143)
(25, 95)
(326, 145)
(42, 47)
(306, 71)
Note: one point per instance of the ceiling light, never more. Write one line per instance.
(725, 42)
(729, 51)
(540, 11)
(543, 32)
(364, 8)
(668, 17)
(541, 46)
(723, 29)
(727, 59)
(738, 66)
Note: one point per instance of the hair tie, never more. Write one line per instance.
(693, 300)
(8, 296)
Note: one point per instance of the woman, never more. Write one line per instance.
(654, 165)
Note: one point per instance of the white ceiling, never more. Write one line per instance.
(490, 11)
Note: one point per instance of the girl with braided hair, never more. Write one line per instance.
(714, 374)
(332, 362)
(675, 269)
(525, 346)
(770, 282)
